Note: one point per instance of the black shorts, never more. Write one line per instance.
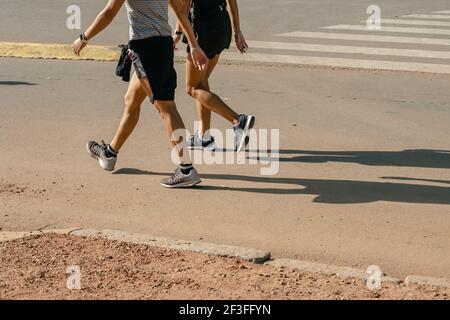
(153, 58)
(213, 33)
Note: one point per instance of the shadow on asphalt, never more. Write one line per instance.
(17, 83)
(329, 191)
(422, 158)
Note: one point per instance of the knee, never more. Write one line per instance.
(192, 90)
(166, 107)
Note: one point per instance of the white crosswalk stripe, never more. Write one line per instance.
(350, 49)
(415, 22)
(366, 37)
(417, 53)
(340, 62)
(391, 29)
(427, 16)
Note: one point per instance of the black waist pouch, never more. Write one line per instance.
(123, 68)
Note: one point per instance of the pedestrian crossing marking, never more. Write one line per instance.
(390, 29)
(339, 62)
(367, 38)
(414, 22)
(284, 53)
(356, 43)
(427, 16)
(350, 49)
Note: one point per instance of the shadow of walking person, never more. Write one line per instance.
(328, 191)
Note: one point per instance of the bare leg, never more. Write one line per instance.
(133, 100)
(175, 128)
(197, 86)
(172, 121)
(204, 114)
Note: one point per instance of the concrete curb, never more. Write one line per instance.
(248, 254)
(14, 235)
(314, 267)
(428, 281)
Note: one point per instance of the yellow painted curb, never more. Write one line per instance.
(57, 51)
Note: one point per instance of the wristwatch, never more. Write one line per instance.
(83, 38)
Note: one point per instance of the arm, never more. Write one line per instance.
(239, 38)
(198, 56)
(103, 19)
(178, 29)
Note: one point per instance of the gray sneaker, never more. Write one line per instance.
(242, 131)
(180, 180)
(196, 143)
(98, 152)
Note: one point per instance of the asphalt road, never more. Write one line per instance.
(364, 163)
(414, 34)
(45, 20)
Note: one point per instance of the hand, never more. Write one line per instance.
(77, 46)
(176, 39)
(199, 58)
(241, 44)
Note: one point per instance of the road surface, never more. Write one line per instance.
(364, 163)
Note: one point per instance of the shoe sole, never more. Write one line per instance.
(248, 126)
(102, 163)
(184, 185)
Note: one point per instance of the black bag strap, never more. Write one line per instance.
(123, 68)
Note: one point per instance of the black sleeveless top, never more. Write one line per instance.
(203, 9)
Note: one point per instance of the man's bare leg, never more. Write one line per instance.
(106, 155)
(133, 101)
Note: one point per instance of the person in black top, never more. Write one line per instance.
(212, 26)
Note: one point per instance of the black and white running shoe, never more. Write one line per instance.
(181, 180)
(197, 143)
(98, 152)
(242, 131)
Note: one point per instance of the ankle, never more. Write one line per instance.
(110, 152)
(186, 168)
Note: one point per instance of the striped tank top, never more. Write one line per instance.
(148, 18)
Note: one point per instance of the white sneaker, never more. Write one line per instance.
(181, 180)
(98, 152)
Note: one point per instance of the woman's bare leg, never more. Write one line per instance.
(204, 114)
(197, 86)
(133, 101)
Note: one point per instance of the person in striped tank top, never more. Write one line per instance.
(151, 50)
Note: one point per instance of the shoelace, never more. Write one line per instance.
(96, 148)
(176, 177)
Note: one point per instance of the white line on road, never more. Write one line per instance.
(428, 16)
(350, 49)
(362, 37)
(339, 62)
(390, 29)
(414, 22)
